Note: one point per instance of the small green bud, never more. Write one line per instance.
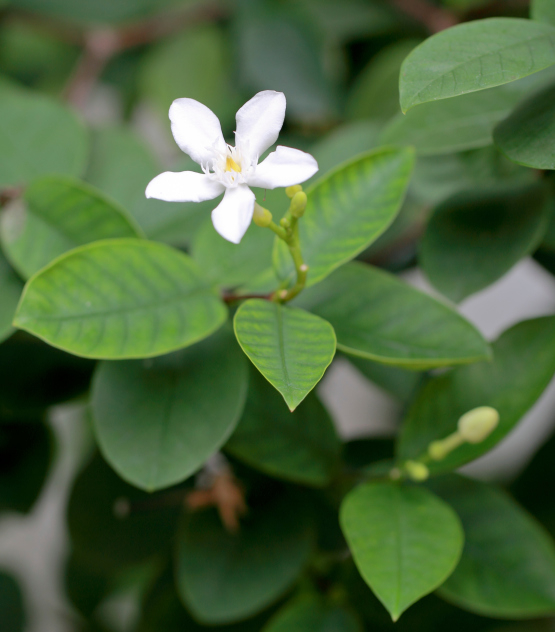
(416, 470)
(298, 204)
(290, 191)
(285, 223)
(437, 450)
(477, 424)
(261, 216)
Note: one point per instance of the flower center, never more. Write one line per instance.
(231, 165)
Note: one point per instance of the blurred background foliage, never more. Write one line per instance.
(94, 80)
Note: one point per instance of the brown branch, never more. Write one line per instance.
(434, 18)
(232, 298)
(10, 193)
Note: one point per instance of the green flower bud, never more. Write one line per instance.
(437, 450)
(298, 204)
(477, 424)
(290, 191)
(416, 470)
(261, 216)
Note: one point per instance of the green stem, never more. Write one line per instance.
(293, 243)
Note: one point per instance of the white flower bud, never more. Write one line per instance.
(477, 424)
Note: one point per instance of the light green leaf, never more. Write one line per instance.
(10, 292)
(474, 238)
(224, 577)
(378, 317)
(11, 605)
(302, 447)
(290, 347)
(527, 136)
(347, 210)
(507, 569)
(543, 11)
(121, 166)
(313, 614)
(120, 298)
(38, 136)
(375, 93)
(157, 421)
(60, 214)
(162, 79)
(502, 384)
(405, 541)
(231, 265)
(474, 56)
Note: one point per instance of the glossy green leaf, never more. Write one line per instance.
(120, 298)
(302, 447)
(502, 384)
(26, 451)
(38, 137)
(405, 541)
(162, 78)
(474, 238)
(59, 214)
(543, 11)
(527, 136)
(507, 568)
(290, 347)
(347, 210)
(122, 165)
(378, 317)
(313, 614)
(157, 421)
(113, 525)
(474, 56)
(12, 606)
(10, 292)
(224, 577)
(375, 93)
(228, 264)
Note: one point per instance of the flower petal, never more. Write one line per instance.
(185, 186)
(233, 215)
(283, 168)
(259, 122)
(196, 130)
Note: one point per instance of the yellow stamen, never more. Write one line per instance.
(231, 165)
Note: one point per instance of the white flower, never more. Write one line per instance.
(197, 131)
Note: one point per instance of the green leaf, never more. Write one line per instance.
(11, 605)
(122, 165)
(290, 347)
(10, 292)
(26, 452)
(474, 238)
(405, 541)
(527, 136)
(445, 127)
(224, 577)
(507, 568)
(378, 317)
(157, 421)
(120, 298)
(375, 93)
(112, 525)
(543, 11)
(295, 69)
(60, 214)
(502, 384)
(162, 79)
(347, 210)
(231, 265)
(302, 447)
(39, 136)
(315, 615)
(474, 56)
